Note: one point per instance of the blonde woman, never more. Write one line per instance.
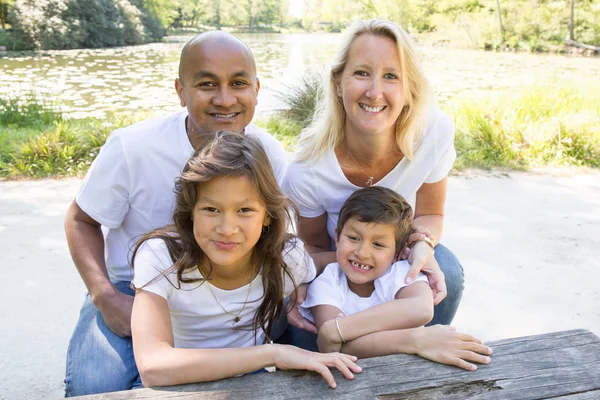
(375, 125)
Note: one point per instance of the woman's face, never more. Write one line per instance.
(370, 86)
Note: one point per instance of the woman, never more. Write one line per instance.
(375, 125)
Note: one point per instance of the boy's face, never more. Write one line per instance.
(365, 252)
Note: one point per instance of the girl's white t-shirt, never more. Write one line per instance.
(331, 288)
(197, 319)
(321, 187)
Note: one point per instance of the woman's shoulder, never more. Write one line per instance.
(439, 124)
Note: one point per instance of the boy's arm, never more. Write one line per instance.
(412, 307)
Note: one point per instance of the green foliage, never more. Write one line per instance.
(36, 141)
(301, 100)
(65, 24)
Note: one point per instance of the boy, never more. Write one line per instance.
(363, 294)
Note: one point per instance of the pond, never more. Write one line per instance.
(92, 82)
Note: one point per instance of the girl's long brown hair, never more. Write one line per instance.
(230, 154)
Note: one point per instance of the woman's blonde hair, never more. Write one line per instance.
(327, 128)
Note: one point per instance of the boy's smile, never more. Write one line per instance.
(365, 251)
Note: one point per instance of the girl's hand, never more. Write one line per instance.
(423, 260)
(290, 357)
(442, 344)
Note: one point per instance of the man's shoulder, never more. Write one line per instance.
(268, 141)
(140, 132)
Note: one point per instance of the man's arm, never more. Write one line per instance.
(86, 245)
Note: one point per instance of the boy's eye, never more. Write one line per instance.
(352, 238)
(379, 244)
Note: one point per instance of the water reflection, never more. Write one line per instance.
(93, 81)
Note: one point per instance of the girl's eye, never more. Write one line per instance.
(390, 76)
(210, 209)
(246, 209)
(361, 73)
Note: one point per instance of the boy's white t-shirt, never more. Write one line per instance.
(321, 187)
(129, 186)
(197, 319)
(331, 288)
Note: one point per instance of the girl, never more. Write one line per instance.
(210, 286)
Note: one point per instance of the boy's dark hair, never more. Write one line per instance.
(382, 206)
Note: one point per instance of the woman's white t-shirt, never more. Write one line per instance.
(197, 319)
(321, 186)
(331, 288)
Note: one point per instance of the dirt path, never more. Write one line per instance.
(528, 243)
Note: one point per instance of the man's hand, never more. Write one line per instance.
(294, 317)
(116, 312)
(422, 259)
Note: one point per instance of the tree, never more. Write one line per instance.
(5, 6)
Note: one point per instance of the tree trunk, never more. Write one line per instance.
(500, 20)
(218, 14)
(571, 24)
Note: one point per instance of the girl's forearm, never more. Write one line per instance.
(167, 366)
(381, 344)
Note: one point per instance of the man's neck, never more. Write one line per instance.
(198, 137)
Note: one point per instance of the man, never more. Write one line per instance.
(129, 191)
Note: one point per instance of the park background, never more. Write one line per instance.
(519, 78)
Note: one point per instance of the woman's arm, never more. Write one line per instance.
(429, 217)
(160, 364)
(412, 307)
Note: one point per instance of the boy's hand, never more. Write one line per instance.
(329, 339)
(294, 317)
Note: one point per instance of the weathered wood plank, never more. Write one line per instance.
(562, 365)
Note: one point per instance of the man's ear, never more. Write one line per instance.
(179, 90)
(257, 85)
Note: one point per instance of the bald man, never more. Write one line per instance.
(128, 190)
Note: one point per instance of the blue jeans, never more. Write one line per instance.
(443, 312)
(99, 361)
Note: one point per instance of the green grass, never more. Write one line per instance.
(546, 124)
(36, 141)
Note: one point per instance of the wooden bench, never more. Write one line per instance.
(564, 365)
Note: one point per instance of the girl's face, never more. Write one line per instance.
(228, 219)
(370, 86)
(365, 251)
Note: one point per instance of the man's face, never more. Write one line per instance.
(218, 86)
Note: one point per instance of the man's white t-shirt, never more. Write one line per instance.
(197, 319)
(129, 186)
(321, 187)
(331, 288)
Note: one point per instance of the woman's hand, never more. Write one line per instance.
(290, 357)
(442, 344)
(422, 260)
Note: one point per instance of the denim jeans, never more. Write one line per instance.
(99, 361)
(443, 312)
